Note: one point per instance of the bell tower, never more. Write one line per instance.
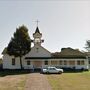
(37, 37)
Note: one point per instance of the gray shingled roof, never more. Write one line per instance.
(69, 52)
(65, 53)
(4, 51)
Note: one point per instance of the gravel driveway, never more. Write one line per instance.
(37, 81)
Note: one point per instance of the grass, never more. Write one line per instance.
(12, 80)
(70, 81)
(16, 80)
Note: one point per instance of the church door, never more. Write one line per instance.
(37, 64)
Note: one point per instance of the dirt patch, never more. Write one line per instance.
(12, 82)
(37, 81)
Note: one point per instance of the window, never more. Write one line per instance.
(28, 63)
(13, 61)
(65, 62)
(52, 69)
(61, 62)
(46, 62)
(71, 62)
(78, 62)
(54, 62)
(89, 61)
(82, 62)
(37, 40)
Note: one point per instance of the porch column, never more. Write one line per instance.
(50, 62)
(75, 63)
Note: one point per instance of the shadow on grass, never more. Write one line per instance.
(75, 71)
(19, 72)
(13, 72)
(68, 71)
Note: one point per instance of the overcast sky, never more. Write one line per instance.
(63, 23)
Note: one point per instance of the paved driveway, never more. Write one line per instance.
(37, 81)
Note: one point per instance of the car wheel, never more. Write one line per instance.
(60, 72)
(47, 72)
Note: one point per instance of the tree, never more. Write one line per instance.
(20, 43)
(88, 45)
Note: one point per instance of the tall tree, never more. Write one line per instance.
(20, 43)
(88, 45)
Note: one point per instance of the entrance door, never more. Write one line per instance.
(37, 64)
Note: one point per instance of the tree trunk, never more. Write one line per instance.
(21, 62)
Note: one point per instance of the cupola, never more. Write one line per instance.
(37, 37)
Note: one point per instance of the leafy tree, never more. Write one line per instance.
(20, 43)
(88, 45)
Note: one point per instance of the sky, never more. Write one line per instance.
(63, 23)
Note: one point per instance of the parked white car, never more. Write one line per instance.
(52, 70)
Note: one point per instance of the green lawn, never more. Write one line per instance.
(70, 81)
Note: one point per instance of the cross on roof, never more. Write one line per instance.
(37, 22)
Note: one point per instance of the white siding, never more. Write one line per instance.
(7, 63)
(27, 66)
(85, 66)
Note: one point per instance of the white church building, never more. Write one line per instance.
(39, 57)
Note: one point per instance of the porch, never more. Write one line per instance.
(59, 63)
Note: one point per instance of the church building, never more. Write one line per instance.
(39, 57)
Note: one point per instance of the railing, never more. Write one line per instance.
(28, 67)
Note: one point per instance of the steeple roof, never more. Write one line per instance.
(37, 30)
